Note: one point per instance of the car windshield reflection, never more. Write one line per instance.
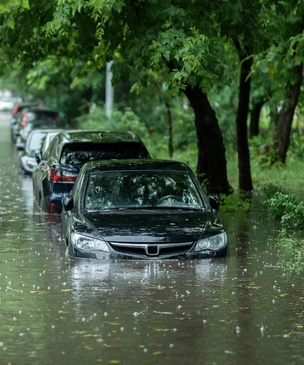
(138, 189)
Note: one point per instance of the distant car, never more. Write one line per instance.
(140, 209)
(32, 146)
(60, 164)
(6, 103)
(16, 115)
(19, 106)
(30, 115)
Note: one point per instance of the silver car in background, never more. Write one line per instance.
(28, 150)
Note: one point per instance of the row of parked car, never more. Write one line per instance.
(115, 201)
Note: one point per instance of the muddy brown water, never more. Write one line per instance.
(240, 310)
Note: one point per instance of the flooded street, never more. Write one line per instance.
(240, 310)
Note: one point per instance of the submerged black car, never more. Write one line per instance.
(142, 209)
(59, 165)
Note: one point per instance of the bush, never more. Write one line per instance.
(287, 208)
(293, 251)
(234, 204)
(269, 189)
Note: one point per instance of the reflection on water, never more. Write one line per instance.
(240, 310)
(130, 280)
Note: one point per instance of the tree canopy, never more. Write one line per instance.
(191, 47)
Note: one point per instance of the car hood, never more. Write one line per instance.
(141, 227)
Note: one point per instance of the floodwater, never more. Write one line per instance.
(240, 310)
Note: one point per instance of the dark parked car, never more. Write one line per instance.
(18, 107)
(59, 166)
(16, 115)
(142, 209)
(32, 146)
(31, 115)
(6, 103)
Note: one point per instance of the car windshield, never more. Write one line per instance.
(78, 154)
(141, 189)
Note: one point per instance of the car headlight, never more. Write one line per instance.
(89, 243)
(212, 243)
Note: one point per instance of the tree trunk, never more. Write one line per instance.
(87, 96)
(254, 127)
(169, 120)
(245, 181)
(283, 128)
(170, 128)
(212, 159)
(202, 167)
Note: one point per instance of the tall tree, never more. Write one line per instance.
(283, 62)
(147, 35)
(240, 23)
(283, 128)
(245, 180)
(162, 35)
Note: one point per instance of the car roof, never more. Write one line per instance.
(38, 108)
(18, 107)
(136, 164)
(97, 136)
(26, 104)
(45, 131)
(43, 121)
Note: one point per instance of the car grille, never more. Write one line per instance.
(151, 249)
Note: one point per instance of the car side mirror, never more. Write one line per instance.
(67, 202)
(215, 203)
